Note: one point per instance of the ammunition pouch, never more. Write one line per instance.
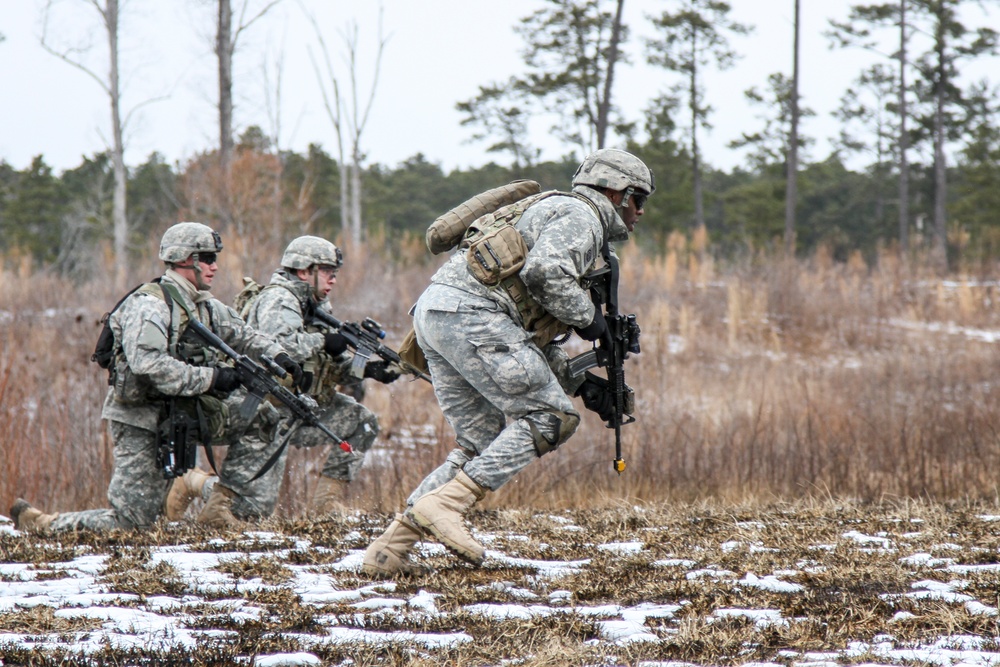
(411, 354)
(128, 387)
(494, 251)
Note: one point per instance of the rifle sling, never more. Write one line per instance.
(277, 453)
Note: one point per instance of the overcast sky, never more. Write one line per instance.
(439, 52)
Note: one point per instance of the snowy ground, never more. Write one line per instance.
(60, 599)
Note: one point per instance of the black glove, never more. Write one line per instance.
(596, 397)
(379, 370)
(293, 368)
(334, 344)
(225, 380)
(595, 329)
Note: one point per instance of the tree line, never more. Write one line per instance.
(899, 118)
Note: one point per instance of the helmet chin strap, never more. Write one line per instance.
(316, 294)
(626, 195)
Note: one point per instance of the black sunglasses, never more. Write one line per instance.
(208, 257)
(639, 200)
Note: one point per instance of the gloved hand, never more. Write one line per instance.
(596, 397)
(293, 369)
(334, 344)
(379, 370)
(597, 328)
(225, 380)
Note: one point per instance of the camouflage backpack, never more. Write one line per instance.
(244, 298)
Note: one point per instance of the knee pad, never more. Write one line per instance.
(551, 429)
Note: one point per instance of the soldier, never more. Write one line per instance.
(500, 382)
(160, 362)
(282, 309)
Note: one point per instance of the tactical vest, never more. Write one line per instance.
(496, 253)
(182, 344)
(320, 365)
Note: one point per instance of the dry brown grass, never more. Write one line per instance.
(763, 380)
(851, 591)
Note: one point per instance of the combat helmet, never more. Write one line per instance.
(615, 169)
(187, 238)
(306, 251)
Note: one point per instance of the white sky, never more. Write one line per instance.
(439, 53)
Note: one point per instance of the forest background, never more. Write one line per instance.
(809, 325)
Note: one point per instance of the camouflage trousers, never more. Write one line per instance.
(494, 385)
(349, 419)
(137, 490)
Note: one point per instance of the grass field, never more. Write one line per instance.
(811, 583)
(812, 480)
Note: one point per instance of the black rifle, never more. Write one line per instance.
(259, 383)
(364, 339)
(621, 340)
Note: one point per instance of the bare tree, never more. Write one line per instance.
(227, 36)
(109, 12)
(349, 115)
(792, 164)
(272, 95)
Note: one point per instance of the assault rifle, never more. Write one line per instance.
(364, 339)
(260, 382)
(621, 340)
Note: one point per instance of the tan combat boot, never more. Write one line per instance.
(218, 511)
(184, 489)
(442, 511)
(389, 554)
(329, 496)
(30, 518)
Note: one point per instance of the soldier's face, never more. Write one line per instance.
(326, 278)
(208, 273)
(201, 279)
(631, 213)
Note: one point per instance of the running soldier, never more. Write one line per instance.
(283, 310)
(159, 361)
(501, 383)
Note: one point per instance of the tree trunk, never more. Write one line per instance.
(356, 198)
(791, 190)
(224, 51)
(699, 204)
(118, 211)
(604, 103)
(904, 139)
(939, 250)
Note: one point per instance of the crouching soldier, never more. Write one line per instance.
(492, 358)
(283, 309)
(160, 365)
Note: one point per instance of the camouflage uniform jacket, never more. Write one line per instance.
(564, 239)
(280, 313)
(143, 329)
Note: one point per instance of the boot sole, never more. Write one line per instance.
(429, 528)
